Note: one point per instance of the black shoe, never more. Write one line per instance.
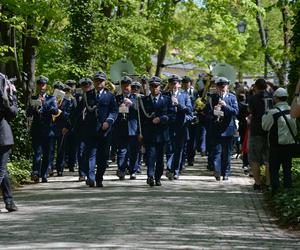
(169, 175)
(158, 183)
(59, 174)
(120, 174)
(132, 177)
(99, 184)
(11, 206)
(190, 163)
(225, 178)
(44, 180)
(150, 181)
(217, 177)
(257, 187)
(71, 169)
(35, 178)
(90, 183)
(51, 173)
(81, 178)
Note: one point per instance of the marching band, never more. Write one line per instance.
(87, 123)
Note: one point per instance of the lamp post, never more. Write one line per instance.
(241, 27)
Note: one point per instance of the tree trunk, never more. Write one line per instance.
(280, 70)
(160, 59)
(286, 39)
(8, 38)
(29, 54)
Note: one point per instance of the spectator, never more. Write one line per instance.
(279, 124)
(258, 146)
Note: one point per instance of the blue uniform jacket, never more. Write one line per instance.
(163, 108)
(88, 123)
(231, 108)
(226, 126)
(127, 125)
(42, 124)
(184, 115)
(64, 120)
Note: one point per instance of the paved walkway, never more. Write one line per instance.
(195, 212)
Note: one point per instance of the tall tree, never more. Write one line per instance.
(294, 72)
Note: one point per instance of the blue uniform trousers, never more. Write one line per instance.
(221, 154)
(209, 146)
(190, 146)
(61, 153)
(41, 156)
(201, 138)
(176, 158)
(87, 157)
(127, 155)
(71, 149)
(4, 177)
(102, 156)
(52, 146)
(155, 160)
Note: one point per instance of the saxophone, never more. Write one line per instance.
(110, 86)
(200, 102)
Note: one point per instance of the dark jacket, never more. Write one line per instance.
(7, 112)
(163, 108)
(127, 124)
(42, 123)
(101, 109)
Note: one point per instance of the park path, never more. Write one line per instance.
(195, 212)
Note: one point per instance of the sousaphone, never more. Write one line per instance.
(121, 68)
(225, 70)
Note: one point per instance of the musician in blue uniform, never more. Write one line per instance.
(42, 107)
(222, 109)
(85, 129)
(57, 85)
(157, 113)
(190, 146)
(126, 129)
(63, 125)
(179, 129)
(71, 142)
(107, 113)
(136, 88)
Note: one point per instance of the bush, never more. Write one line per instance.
(287, 202)
(19, 171)
(20, 126)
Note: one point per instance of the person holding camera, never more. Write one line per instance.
(8, 110)
(281, 128)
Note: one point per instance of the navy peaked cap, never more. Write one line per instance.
(42, 80)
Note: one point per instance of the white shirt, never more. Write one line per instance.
(284, 134)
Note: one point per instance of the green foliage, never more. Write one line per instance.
(80, 30)
(19, 171)
(295, 51)
(287, 202)
(22, 148)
